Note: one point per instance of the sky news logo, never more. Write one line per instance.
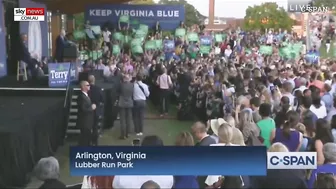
(304, 6)
(291, 160)
(29, 14)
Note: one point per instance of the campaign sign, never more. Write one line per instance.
(169, 16)
(168, 45)
(59, 74)
(312, 58)
(205, 40)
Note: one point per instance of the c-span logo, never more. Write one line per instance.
(291, 160)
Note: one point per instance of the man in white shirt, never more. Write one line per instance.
(140, 95)
(228, 52)
(109, 70)
(107, 37)
(164, 82)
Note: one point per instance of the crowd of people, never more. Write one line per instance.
(247, 90)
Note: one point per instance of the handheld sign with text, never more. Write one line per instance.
(205, 40)
(169, 46)
(60, 74)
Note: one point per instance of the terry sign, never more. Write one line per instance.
(59, 74)
(169, 16)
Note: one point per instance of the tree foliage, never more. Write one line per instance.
(79, 20)
(325, 3)
(266, 16)
(143, 2)
(192, 16)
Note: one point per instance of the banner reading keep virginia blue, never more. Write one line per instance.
(169, 16)
(3, 56)
(168, 160)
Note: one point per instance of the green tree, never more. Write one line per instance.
(143, 2)
(192, 16)
(79, 20)
(266, 16)
(331, 4)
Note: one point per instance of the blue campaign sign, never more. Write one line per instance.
(205, 40)
(168, 45)
(59, 74)
(169, 16)
(312, 58)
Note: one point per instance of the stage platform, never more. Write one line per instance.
(32, 126)
(9, 86)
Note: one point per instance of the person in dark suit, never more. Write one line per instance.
(85, 116)
(97, 98)
(125, 104)
(60, 44)
(25, 57)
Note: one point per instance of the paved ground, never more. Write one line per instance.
(166, 129)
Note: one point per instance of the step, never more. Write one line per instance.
(74, 96)
(73, 103)
(72, 124)
(72, 110)
(73, 131)
(73, 117)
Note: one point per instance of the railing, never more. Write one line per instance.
(67, 101)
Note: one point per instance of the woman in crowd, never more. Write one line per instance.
(182, 182)
(287, 134)
(323, 135)
(47, 170)
(333, 127)
(266, 124)
(247, 126)
(317, 107)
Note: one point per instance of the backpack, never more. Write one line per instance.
(254, 141)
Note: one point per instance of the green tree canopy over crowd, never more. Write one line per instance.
(266, 16)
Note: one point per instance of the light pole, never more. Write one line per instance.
(308, 32)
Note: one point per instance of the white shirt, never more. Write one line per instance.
(85, 93)
(106, 36)
(217, 50)
(164, 81)
(86, 184)
(320, 112)
(127, 182)
(107, 71)
(138, 94)
(301, 88)
(227, 52)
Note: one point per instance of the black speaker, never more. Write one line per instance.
(70, 51)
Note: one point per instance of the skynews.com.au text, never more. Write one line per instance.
(29, 14)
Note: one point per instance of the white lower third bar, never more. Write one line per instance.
(38, 18)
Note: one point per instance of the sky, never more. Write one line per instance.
(230, 8)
